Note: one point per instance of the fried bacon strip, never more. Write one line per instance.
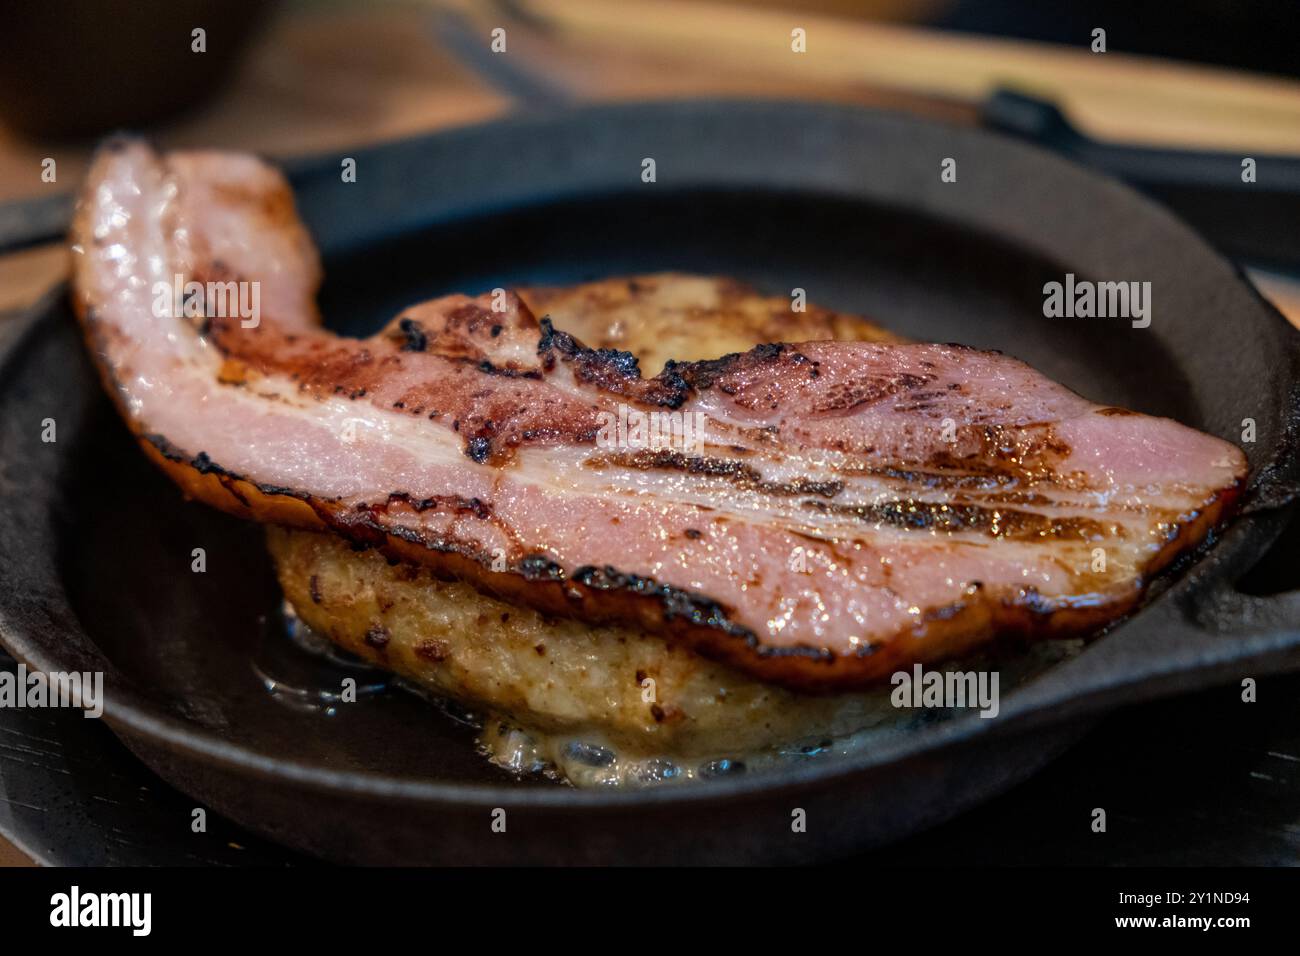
(853, 508)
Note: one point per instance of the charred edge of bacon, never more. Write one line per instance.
(608, 595)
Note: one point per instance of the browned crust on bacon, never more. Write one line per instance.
(608, 595)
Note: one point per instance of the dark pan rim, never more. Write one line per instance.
(135, 716)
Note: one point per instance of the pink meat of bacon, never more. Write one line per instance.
(855, 508)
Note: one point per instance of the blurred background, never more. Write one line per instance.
(1182, 91)
(302, 76)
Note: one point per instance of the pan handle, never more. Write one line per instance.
(1042, 122)
(32, 222)
(1205, 632)
(1223, 609)
(1248, 219)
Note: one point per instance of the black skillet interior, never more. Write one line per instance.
(844, 204)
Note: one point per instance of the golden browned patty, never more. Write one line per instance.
(635, 694)
(688, 318)
(557, 690)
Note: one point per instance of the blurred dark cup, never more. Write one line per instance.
(74, 68)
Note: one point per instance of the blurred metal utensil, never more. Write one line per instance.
(459, 35)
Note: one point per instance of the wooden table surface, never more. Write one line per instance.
(326, 76)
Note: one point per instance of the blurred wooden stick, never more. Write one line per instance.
(1111, 95)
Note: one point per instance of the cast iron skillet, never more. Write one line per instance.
(95, 547)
